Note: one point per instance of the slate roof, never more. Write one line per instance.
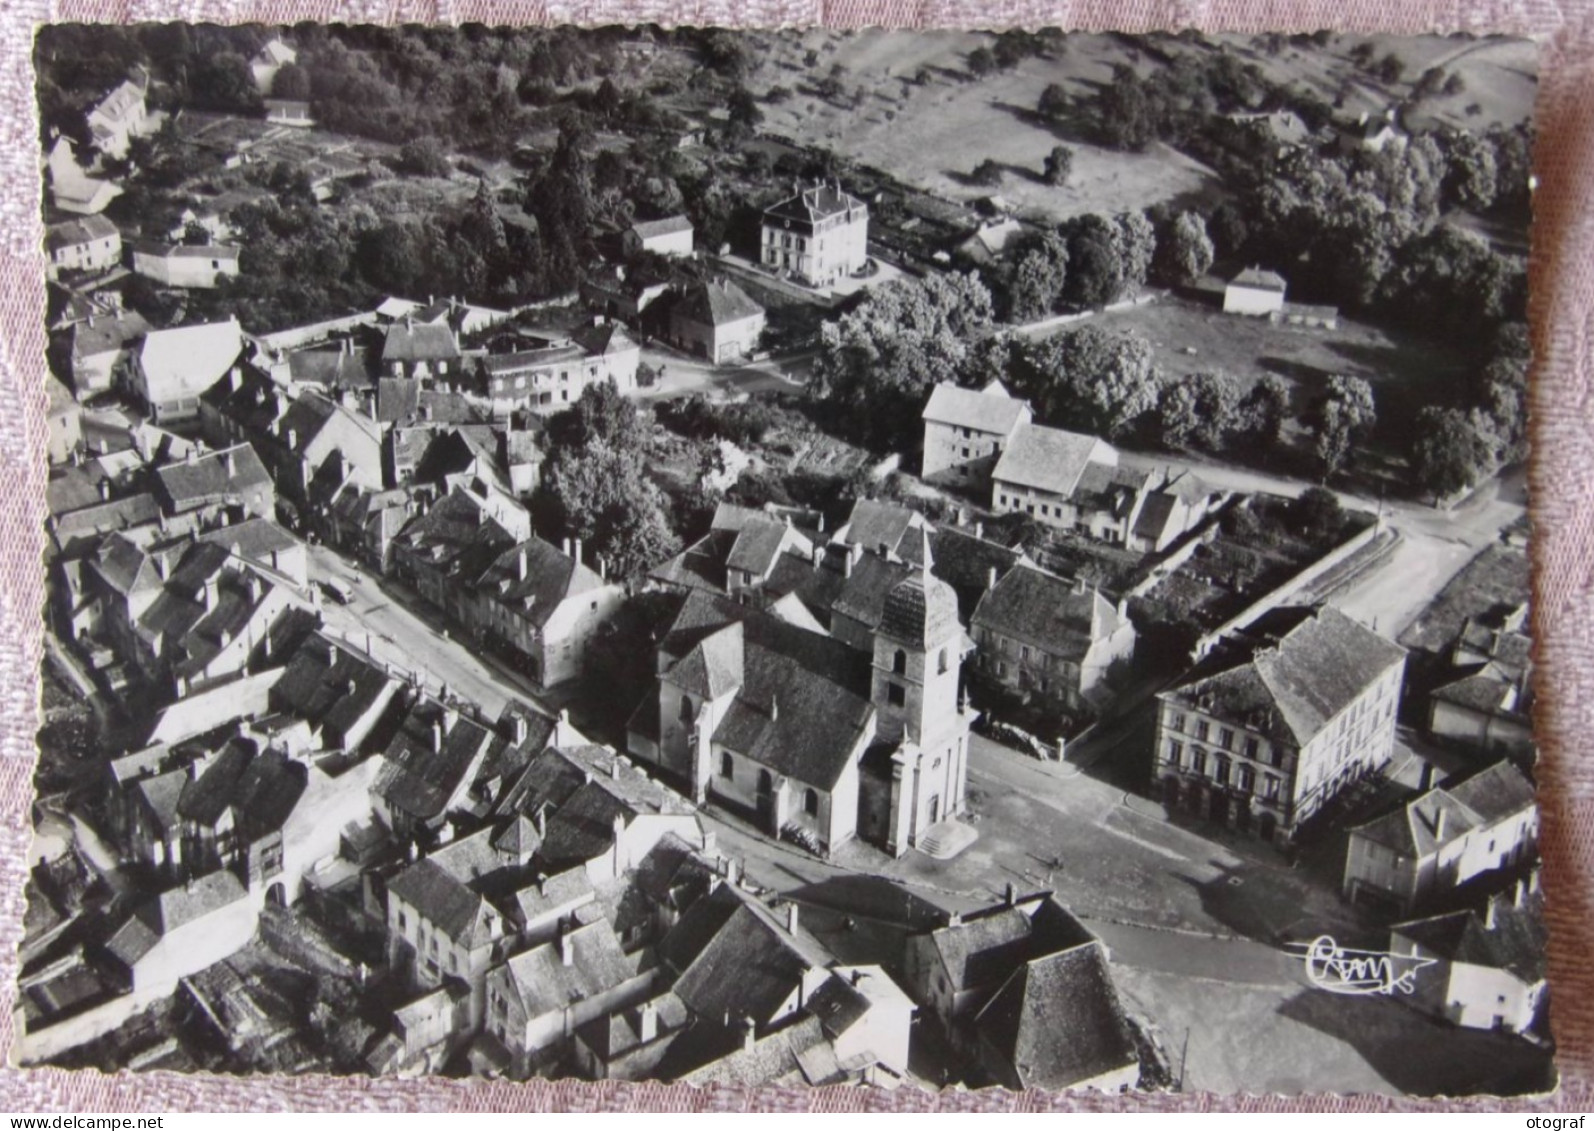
(215, 477)
(333, 368)
(987, 412)
(75, 233)
(813, 204)
(551, 578)
(1516, 942)
(172, 909)
(328, 686)
(419, 342)
(442, 900)
(715, 303)
(89, 523)
(536, 901)
(874, 524)
(1054, 614)
(964, 561)
(1484, 689)
(619, 1033)
(1491, 795)
(419, 780)
(260, 788)
(746, 965)
(1294, 687)
(397, 398)
(1058, 1020)
(670, 225)
(757, 545)
(983, 949)
(1049, 459)
(543, 984)
(1258, 279)
(107, 334)
(457, 536)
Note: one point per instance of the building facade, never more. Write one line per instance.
(818, 235)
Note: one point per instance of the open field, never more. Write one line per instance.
(922, 133)
(1191, 336)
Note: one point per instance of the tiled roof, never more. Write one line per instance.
(215, 477)
(716, 304)
(535, 592)
(419, 342)
(442, 900)
(1515, 942)
(746, 966)
(327, 685)
(1058, 1020)
(670, 225)
(874, 524)
(965, 561)
(260, 788)
(1258, 279)
(75, 233)
(1050, 459)
(105, 334)
(982, 411)
(544, 984)
(1296, 685)
(1061, 617)
(420, 780)
(815, 203)
(1416, 829)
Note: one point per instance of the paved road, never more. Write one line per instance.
(685, 374)
(397, 627)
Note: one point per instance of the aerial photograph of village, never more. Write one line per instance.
(796, 558)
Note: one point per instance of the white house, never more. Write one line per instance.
(819, 235)
(718, 320)
(1255, 292)
(1442, 839)
(1487, 971)
(173, 367)
(270, 59)
(72, 189)
(91, 244)
(118, 118)
(184, 265)
(288, 112)
(669, 236)
(966, 431)
(1039, 471)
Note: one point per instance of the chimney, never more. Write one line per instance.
(614, 769)
(565, 546)
(437, 736)
(426, 411)
(791, 918)
(1439, 825)
(648, 1022)
(575, 550)
(210, 593)
(979, 530)
(603, 568)
(990, 578)
(290, 438)
(520, 564)
(1518, 895)
(1012, 894)
(1533, 881)
(540, 820)
(522, 729)
(749, 1033)
(954, 919)
(567, 948)
(230, 463)
(1490, 915)
(105, 489)
(252, 583)
(192, 453)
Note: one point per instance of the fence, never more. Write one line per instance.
(1288, 589)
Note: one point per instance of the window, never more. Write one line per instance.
(1226, 738)
(402, 921)
(1250, 747)
(1175, 753)
(965, 453)
(1023, 652)
(1247, 779)
(899, 663)
(1275, 757)
(1198, 760)
(727, 767)
(811, 802)
(1201, 729)
(1270, 788)
(895, 695)
(686, 709)
(940, 663)
(1220, 771)
(1176, 721)
(766, 782)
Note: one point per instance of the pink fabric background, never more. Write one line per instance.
(1562, 482)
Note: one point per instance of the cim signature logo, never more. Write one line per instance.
(1343, 971)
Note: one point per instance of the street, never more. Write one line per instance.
(397, 628)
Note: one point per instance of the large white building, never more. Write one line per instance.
(1265, 732)
(966, 430)
(818, 235)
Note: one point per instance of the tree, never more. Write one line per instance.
(1447, 453)
(1316, 513)
(1136, 244)
(987, 173)
(292, 82)
(981, 62)
(1059, 165)
(745, 110)
(1472, 178)
(1125, 113)
(223, 81)
(1344, 415)
(1265, 408)
(878, 362)
(1199, 410)
(1095, 266)
(423, 157)
(1390, 68)
(1185, 251)
(1053, 102)
(1039, 274)
(1091, 379)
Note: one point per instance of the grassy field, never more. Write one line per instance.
(922, 134)
(1190, 335)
